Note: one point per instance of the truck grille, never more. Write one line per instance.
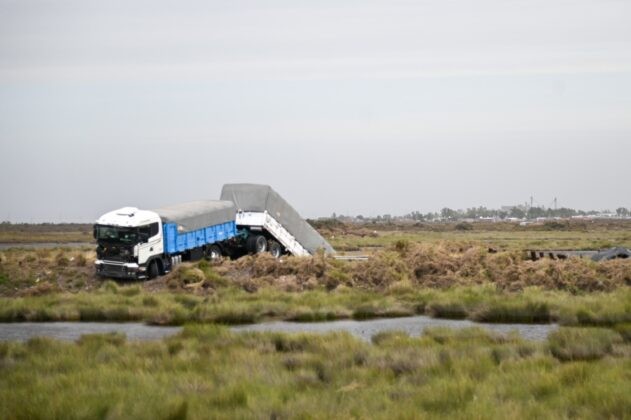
(112, 270)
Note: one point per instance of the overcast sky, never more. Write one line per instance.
(355, 107)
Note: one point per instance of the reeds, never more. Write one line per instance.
(208, 370)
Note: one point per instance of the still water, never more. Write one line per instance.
(361, 329)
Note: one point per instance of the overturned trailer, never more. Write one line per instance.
(259, 206)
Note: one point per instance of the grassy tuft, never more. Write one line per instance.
(523, 312)
(568, 344)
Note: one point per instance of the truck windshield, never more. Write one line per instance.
(116, 234)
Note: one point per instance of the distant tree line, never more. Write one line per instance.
(518, 212)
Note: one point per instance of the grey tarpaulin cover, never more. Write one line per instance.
(259, 198)
(198, 214)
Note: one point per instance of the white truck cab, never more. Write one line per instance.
(128, 240)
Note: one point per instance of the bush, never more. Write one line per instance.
(188, 275)
(448, 310)
(80, 260)
(381, 271)
(402, 246)
(61, 260)
(463, 226)
(213, 279)
(552, 225)
(110, 286)
(625, 331)
(150, 301)
(514, 312)
(130, 290)
(185, 275)
(568, 344)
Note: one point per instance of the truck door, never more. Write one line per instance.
(153, 245)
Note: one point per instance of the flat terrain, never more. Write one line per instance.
(207, 371)
(575, 235)
(478, 272)
(46, 232)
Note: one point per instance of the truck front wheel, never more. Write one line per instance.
(257, 244)
(152, 270)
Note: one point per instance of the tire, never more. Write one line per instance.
(213, 253)
(256, 244)
(152, 270)
(275, 248)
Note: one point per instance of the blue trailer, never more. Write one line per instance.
(175, 242)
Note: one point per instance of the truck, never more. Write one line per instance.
(248, 219)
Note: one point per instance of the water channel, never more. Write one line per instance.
(361, 329)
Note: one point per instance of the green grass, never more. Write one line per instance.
(583, 343)
(232, 305)
(207, 371)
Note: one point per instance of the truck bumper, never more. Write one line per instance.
(120, 270)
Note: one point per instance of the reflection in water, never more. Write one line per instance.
(411, 325)
(23, 331)
(362, 329)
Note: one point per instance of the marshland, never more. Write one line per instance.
(480, 274)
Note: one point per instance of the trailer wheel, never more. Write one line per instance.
(214, 252)
(275, 248)
(152, 270)
(256, 244)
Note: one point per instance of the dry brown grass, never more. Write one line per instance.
(404, 264)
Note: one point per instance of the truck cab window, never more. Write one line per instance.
(155, 229)
(144, 233)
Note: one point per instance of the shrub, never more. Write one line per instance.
(582, 343)
(625, 331)
(130, 290)
(553, 225)
(402, 246)
(110, 286)
(381, 271)
(336, 277)
(80, 260)
(185, 275)
(448, 309)
(61, 260)
(213, 278)
(463, 226)
(188, 275)
(150, 301)
(513, 312)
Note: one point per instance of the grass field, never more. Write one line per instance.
(209, 372)
(232, 305)
(502, 236)
(581, 371)
(46, 232)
